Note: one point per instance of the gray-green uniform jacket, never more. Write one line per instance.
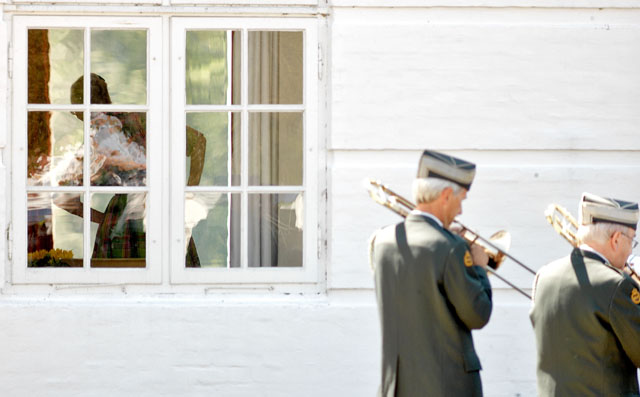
(428, 302)
(586, 319)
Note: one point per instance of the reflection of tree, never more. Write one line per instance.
(120, 57)
(39, 132)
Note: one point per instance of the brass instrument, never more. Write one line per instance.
(495, 246)
(567, 226)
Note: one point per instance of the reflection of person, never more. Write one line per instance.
(431, 289)
(118, 159)
(118, 139)
(586, 310)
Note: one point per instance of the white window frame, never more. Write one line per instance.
(152, 273)
(308, 273)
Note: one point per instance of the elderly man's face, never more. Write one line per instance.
(623, 243)
(453, 206)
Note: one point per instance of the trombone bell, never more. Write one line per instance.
(500, 242)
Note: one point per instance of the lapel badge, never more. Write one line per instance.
(469, 262)
(635, 296)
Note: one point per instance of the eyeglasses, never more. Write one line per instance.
(634, 242)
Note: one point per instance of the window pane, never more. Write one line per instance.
(275, 67)
(213, 55)
(118, 229)
(118, 149)
(55, 149)
(275, 230)
(54, 230)
(212, 229)
(120, 58)
(275, 149)
(213, 149)
(55, 62)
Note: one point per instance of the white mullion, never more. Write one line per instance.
(213, 189)
(232, 189)
(80, 189)
(86, 169)
(212, 108)
(47, 107)
(244, 212)
(79, 107)
(177, 149)
(275, 189)
(276, 108)
(229, 34)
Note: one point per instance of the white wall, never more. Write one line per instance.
(242, 346)
(544, 100)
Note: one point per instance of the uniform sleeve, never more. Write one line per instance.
(624, 315)
(534, 287)
(467, 287)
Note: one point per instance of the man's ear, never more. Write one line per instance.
(613, 240)
(446, 194)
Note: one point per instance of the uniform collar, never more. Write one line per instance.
(428, 216)
(588, 251)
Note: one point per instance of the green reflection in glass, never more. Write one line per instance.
(212, 230)
(213, 149)
(210, 54)
(55, 61)
(120, 58)
(275, 149)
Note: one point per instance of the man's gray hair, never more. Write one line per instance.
(425, 190)
(599, 232)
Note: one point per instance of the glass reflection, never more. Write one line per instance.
(55, 59)
(275, 67)
(55, 149)
(120, 57)
(118, 149)
(118, 229)
(275, 149)
(213, 67)
(275, 230)
(213, 149)
(212, 230)
(54, 235)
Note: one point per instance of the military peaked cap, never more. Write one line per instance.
(439, 165)
(594, 209)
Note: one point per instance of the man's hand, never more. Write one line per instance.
(479, 256)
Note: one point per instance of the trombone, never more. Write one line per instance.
(566, 225)
(495, 246)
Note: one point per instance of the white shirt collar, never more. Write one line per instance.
(428, 215)
(586, 247)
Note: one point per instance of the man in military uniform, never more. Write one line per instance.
(431, 289)
(586, 310)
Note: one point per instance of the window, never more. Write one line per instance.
(93, 156)
(245, 141)
(87, 150)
